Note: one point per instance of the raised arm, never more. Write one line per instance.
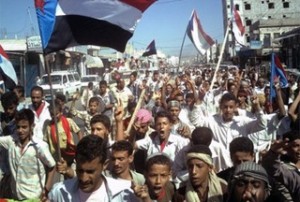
(293, 112)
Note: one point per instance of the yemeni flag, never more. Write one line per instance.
(67, 23)
(199, 38)
(8, 74)
(277, 73)
(238, 28)
(151, 49)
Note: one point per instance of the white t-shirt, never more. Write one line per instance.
(96, 196)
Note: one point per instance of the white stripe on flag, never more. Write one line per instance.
(238, 28)
(115, 12)
(8, 69)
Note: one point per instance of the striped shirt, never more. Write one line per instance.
(27, 166)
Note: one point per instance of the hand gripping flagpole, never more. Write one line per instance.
(220, 59)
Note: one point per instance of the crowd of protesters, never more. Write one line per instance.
(158, 137)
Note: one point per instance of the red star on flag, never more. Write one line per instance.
(39, 4)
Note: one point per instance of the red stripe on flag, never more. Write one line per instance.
(205, 36)
(142, 5)
(239, 22)
(3, 53)
(279, 65)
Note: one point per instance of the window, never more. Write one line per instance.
(269, 17)
(248, 22)
(284, 16)
(286, 4)
(247, 6)
(262, 2)
(248, 39)
(228, 6)
(237, 7)
(71, 78)
(271, 5)
(267, 40)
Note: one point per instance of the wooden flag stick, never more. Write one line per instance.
(138, 106)
(220, 59)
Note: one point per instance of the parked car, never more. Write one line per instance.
(90, 78)
(65, 82)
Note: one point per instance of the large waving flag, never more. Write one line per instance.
(151, 49)
(109, 23)
(238, 28)
(277, 72)
(7, 72)
(200, 39)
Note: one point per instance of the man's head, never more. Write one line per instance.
(142, 121)
(9, 102)
(120, 84)
(228, 105)
(25, 124)
(55, 110)
(102, 87)
(293, 149)
(202, 136)
(90, 157)
(261, 82)
(37, 94)
(180, 98)
(94, 105)
(174, 109)
(241, 150)
(157, 173)
(163, 125)
(100, 126)
(60, 98)
(90, 85)
(132, 77)
(249, 183)
(199, 164)
(121, 157)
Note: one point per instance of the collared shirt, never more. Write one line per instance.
(27, 166)
(107, 99)
(137, 178)
(39, 121)
(152, 145)
(117, 190)
(62, 136)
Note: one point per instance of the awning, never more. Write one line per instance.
(93, 62)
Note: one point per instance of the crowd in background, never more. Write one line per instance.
(157, 137)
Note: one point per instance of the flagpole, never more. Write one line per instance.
(180, 54)
(220, 58)
(53, 108)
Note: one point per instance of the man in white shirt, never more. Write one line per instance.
(226, 126)
(40, 110)
(90, 184)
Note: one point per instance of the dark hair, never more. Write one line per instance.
(159, 159)
(60, 96)
(103, 82)
(203, 149)
(25, 114)
(8, 99)
(133, 74)
(163, 114)
(190, 95)
(94, 99)
(291, 135)
(20, 90)
(89, 148)
(123, 145)
(37, 88)
(101, 118)
(241, 144)
(90, 84)
(202, 135)
(57, 106)
(228, 97)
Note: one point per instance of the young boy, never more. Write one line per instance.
(66, 128)
(86, 116)
(158, 186)
(30, 161)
